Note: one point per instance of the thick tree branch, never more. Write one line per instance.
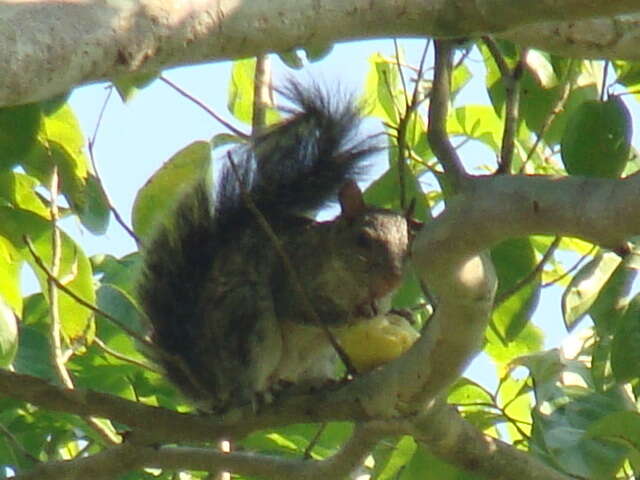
(453, 439)
(114, 462)
(611, 37)
(46, 48)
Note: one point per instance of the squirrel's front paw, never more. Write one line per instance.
(368, 309)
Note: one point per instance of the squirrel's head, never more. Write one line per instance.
(378, 242)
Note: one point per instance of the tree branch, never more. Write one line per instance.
(113, 462)
(442, 427)
(438, 111)
(46, 48)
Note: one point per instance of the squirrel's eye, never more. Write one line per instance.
(363, 240)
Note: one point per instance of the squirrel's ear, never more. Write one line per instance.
(351, 201)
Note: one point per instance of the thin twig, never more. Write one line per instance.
(571, 270)
(202, 105)
(82, 301)
(605, 74)
(91, 145)
(54, 306)
(400, 73)
(291, 271)
(261, 93)
(556, 108)
(121, 356)
(411, 105)
(314, 440)
(60, 357)
(510, 80)
(438, 111)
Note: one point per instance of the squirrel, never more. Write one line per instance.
(224, 310)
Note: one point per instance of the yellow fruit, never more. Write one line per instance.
(376, 341)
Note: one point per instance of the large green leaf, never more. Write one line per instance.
(18, 190)
(241, 89)
(391, 459)
(385, 192)
(34, 354)
(163, 190)
(629, 75)
(597, 139)
(61, 144)
(612, 300)
(381, 90)
(426, 466)
(479, 122)
(623, 428)
(8, 334)
(18, 132)
(514, 261)
(74, 269)
(10, 264)
(121, 272)
(625, 348)
(566, 407)
(128, 85)
(94, 212)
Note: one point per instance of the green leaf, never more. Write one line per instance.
(120, 305)
(8, 334)
(399, 456)
(597, 139)
(317, 51)
(292, 440)
(515, 397)
(629, 76)
(75, 273)
(381, 91)
(559, 434)
(34, 354)
(385, 192)
(479, 122)
(128, 85)
(165, 187)
(613, 300)
(10, 265)
(61, 143)
(541, 68)
(121, 272)
(625, 348)
(425, 466)
(292, 58)
(460, 77)
(15, 223)
(94, 212)
(224, 139)
(75, 270)
(241, 89)
(466, 391)
(18, 190)
(529, 340)
(514, 261)
(18, 133)
(620, 427)
(585, 286)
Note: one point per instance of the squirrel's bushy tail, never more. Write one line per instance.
(176, 264)
(298, 165)
(293, 167)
